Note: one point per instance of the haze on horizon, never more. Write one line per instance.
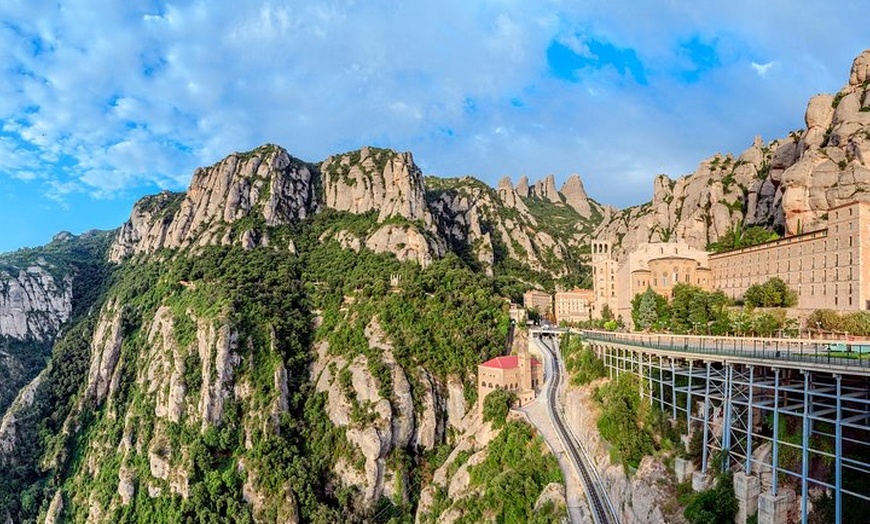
(103, 102)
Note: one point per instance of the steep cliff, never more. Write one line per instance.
(40, 290)
(230, 202)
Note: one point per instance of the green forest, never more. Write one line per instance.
(445, 319)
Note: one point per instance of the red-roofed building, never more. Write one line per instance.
(522, 374)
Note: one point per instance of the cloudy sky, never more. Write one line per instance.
(103, 101)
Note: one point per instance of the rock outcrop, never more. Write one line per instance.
(576, 197)
(638, 499)
(546, 190)
(34, 302)
(788, 184)
(353, 393)
(372, 179)
(8, 430)
(407, 242)
(265, 183)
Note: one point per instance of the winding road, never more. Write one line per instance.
(602, 511)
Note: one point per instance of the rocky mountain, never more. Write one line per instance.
(289, 341)
(787, 184)
(283, 342)
(226, 203)
(40, 290)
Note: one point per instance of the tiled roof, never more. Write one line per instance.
(508, 362)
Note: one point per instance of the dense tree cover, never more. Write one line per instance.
(773, 293)
(622, 421)
(695, 311)
(580, 360)
(496, 405)
(740, 236)
(632, 426)
(649, 310)
(515, 471)
(854, 323)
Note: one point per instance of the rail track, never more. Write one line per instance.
(602, 511)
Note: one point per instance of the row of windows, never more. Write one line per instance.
(787, 265)
(779, 252)
(810, 275)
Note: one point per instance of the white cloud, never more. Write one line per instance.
(122, 100)
(762, 69)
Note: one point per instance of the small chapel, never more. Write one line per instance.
(521, 373)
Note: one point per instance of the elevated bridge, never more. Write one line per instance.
(791, 416)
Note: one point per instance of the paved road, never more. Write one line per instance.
(595, 495)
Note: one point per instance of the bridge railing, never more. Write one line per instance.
(833, 353)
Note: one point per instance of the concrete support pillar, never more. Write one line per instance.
(773, 509)
(683, 469)
(746, 488)
(701, 481)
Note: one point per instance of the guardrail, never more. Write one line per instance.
(826, 353)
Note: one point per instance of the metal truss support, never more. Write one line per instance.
(749, 424)
(838, 454)
(726, 426)
(706, 420)
(805, 449)
(774, 463)
(689, 399)
(674, 393)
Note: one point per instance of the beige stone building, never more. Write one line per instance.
(535, 299)
(659, 265)
(521, 373)
(574, 306)
(827, 268)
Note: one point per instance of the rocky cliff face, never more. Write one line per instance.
(33, 301)
(787, 184)
(498, 225)
(372, 179)
(377, 425)
(226, 203)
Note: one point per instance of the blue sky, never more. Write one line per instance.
(102, 102)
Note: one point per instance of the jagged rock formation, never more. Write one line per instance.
(22, 401)
(376, 179)
(406, 242)
(787, 184)
(523, 187)
(576, 197)
(546, 190)
(266, 183)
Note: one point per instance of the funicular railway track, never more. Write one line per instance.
(601, 509)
